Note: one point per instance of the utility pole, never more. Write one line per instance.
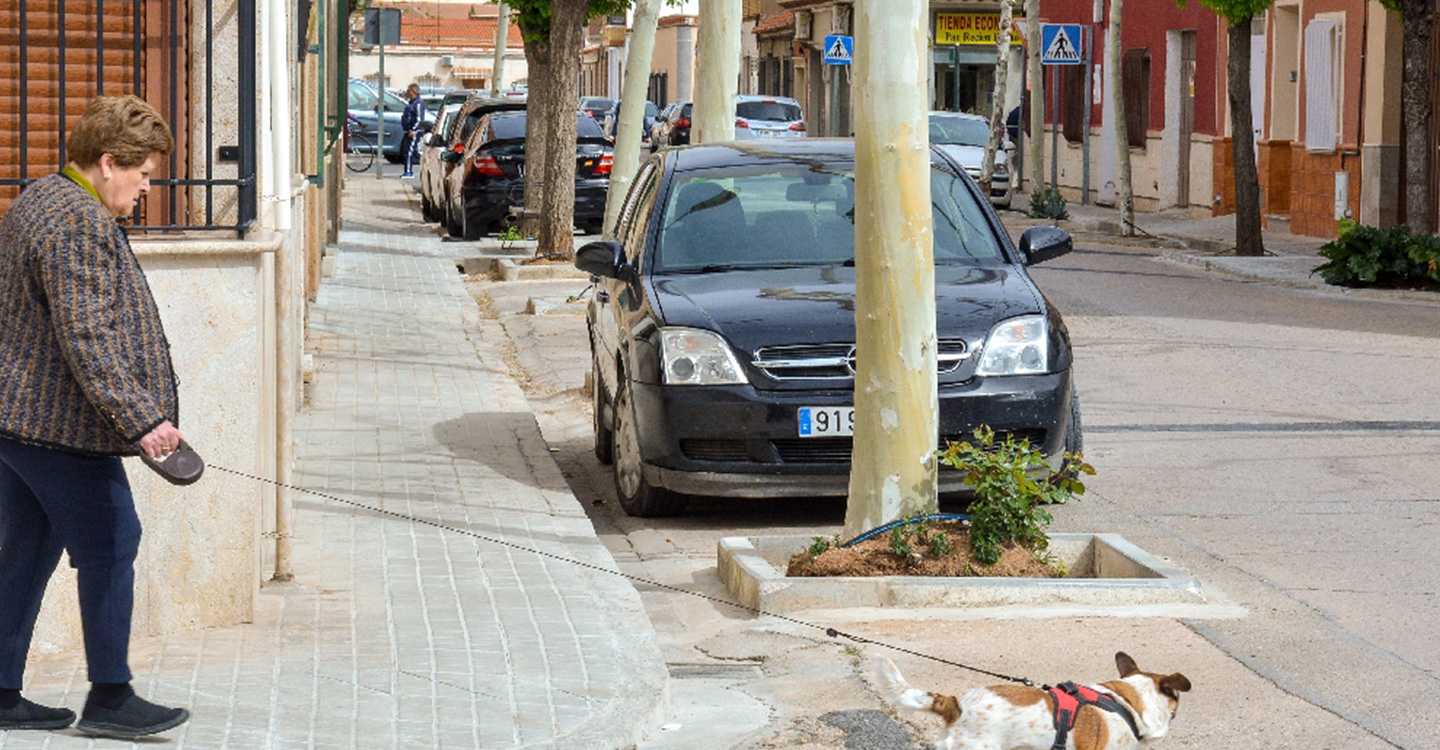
(893, 467)
(632, 107)
(719, 71)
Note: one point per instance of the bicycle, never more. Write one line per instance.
(359, 150)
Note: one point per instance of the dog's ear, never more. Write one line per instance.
(1125, 664)
(1173, 685)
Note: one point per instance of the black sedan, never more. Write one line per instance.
(722, 327)
(489, 177)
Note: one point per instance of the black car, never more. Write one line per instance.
(673, 129)
(722, 327)
(612, 122)
(472, 108)
(490, 177)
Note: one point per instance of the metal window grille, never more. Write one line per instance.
(64, 53)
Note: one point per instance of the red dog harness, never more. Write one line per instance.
(1070, 698)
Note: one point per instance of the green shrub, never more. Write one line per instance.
(1048, 204)
(1393, 257)
(1012, 485)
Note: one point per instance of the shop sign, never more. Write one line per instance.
(972, 28)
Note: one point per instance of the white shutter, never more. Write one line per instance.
(1322, 131)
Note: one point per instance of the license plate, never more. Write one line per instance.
(826, 421)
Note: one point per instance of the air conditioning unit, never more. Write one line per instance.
(802, 25)
(447, 61)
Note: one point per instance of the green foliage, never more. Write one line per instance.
(1237, 11)
(533, 16)
(900, 542)
(1369, 256)
(1048, 204)
(1012, 483)
(822, 545)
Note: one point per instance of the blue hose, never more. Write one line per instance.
(903, 521)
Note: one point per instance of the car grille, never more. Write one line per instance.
(836, 450)
(837, 361)
(714, 450)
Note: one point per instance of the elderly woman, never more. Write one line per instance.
(85, 378)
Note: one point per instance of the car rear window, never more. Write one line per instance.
(513, 126)
(959, 130)
(596, 103)
(800, 215)
(768, 110)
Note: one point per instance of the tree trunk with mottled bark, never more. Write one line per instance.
(632, 107)
(537, 63)
(553, 110)
(717, 70)
(997, 107)
(1418, 19)
(1035, 154)
(1115, 53)
(893, 468)
(1248, 240)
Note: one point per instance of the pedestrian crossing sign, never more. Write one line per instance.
(839, 50)
(1060, 44)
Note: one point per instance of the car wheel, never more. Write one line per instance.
(427, 209)
(604, 438)
(636, 496)
(594, 227)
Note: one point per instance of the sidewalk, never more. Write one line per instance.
(398, 634)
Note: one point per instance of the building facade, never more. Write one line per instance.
(443, 45)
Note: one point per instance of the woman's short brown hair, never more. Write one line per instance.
(125, 126)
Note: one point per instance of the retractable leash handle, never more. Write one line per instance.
(182, 467)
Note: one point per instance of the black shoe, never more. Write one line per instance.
(133, 717)
(30, 715)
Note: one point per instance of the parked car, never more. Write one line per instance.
(673, 129)
(490, 178)
(612, 121)
(432, 172)
(596, 106)
(963, 138)
(763, 116)
(362, 106)
(474, 108)
(722, 327)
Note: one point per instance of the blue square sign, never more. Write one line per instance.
(839, 50)
(1060, 44)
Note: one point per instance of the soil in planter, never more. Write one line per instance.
(873, 557)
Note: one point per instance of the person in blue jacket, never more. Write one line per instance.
(410, 120)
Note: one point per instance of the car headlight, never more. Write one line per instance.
(691, 356)
(1018, 346)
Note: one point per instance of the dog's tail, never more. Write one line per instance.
(899, 692)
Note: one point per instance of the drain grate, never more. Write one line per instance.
(716, 671)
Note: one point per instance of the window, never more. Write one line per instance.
(1135, 84)
(1322, 85)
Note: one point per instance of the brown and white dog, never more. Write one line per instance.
(1014, 717)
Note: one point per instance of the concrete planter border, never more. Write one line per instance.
(1106, 570)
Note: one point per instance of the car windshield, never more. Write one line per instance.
(768, 110)
(800, 215)
(961, 131)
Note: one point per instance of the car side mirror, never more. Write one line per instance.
(450, 157)
(605, 258)
(1039, 244)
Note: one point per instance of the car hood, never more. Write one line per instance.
(970, 157)
(816, 305)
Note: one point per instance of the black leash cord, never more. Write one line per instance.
(830, 632)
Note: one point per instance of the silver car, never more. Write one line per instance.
(764, 116)
(963, 138)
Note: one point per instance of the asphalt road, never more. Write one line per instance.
(1278, 443)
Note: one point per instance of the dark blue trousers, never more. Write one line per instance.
(51, 500)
